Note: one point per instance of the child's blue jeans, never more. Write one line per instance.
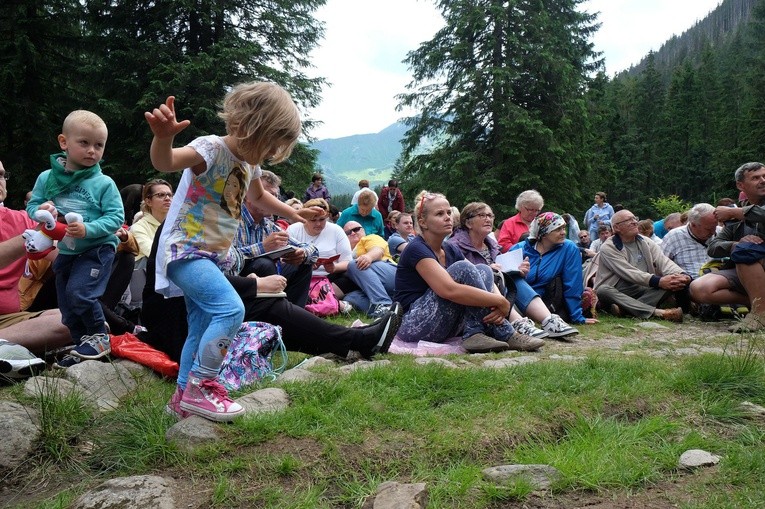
(80, 281)
(214, 313)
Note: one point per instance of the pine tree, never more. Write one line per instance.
(500, 90)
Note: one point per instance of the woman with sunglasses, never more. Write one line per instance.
(444, 295)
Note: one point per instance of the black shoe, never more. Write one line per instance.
(387, 328)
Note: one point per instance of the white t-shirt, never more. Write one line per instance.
(355, 198)
(331, 241)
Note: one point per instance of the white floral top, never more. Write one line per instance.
(205, 212)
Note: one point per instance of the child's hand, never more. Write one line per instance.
(309, 213)
(162, 120)
(50, 207)
(76, 230)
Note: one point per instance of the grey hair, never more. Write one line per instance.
(529, 197)
(271, 178)
(746, 168)
(698, 211)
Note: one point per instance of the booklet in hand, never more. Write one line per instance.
(278, 253)
(331, 259)
(510, 261)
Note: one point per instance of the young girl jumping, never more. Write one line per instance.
(262, 123)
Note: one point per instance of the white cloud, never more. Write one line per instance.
(366, 41)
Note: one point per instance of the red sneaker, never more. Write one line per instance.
(208, 398)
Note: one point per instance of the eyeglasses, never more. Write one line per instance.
(484, 216)
(353, 231)
(632, 220)
(536, 211)
(5, 176)
(162, 195)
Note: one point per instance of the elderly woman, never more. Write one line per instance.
(555, 274)
(477, 246)
(528, 204)
(444, 295)
(365, 213)
(330, 240)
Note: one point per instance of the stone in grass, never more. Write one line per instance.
(540, 477)
(137, 492)
(393, 495)
(695, 458)
(267, 400)
(751, 409)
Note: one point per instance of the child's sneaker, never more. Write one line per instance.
(93, 347)
(67, 361)
(173, 406)
(208, 398)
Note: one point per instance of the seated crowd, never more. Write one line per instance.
(446, 278)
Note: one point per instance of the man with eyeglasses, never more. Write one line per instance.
(259, 234)
(741, 239)
(39, 330)
(372, 269)
(528, 204)
(634, 276)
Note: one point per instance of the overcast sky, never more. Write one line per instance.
(366, 41)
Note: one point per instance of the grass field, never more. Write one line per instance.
(613, 420)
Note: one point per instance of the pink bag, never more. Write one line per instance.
(321, 297)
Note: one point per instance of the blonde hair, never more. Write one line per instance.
(367, 198)
(317, 202)
(79, 117)
(294, 201)
(420, 208)
(263, 119)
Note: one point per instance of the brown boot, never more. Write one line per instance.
(673, 315)
(524, 343)
(752, 322)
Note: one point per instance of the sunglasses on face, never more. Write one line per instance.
(353, 231)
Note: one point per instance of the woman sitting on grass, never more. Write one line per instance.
(555, 274)
(473, 239)
(444, 295)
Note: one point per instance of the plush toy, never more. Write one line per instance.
(38, 243)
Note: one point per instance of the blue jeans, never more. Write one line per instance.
(214, 314)
(431, 318)
(376, 282)
(80, 281)
(524, 293)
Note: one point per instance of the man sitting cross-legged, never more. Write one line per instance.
(634, 276)
(259, 234)
(741, 239)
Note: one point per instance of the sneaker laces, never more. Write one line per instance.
(215, 389)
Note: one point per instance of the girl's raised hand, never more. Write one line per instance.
(162, 120)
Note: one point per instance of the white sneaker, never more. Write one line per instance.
(526, 326)
(17, 363)
(557, 328)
